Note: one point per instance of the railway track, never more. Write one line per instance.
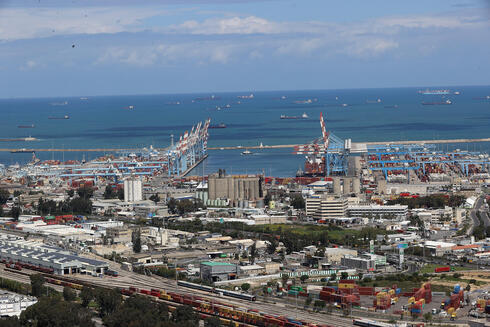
(148, 282)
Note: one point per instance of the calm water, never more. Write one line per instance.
(105, 122)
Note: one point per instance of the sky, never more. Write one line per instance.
(109, 47)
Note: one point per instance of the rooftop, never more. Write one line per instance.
(212, 263)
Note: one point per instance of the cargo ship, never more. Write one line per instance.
(26, 126)
(303, 116)
(24, 150)
(437, 103)
(435, 92)
(251, 96)
(220, 125)
(62, 117)
(314, 167)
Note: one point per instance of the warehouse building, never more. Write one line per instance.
(62, 262)
(396, 211)
(218, 271)
(358, 263)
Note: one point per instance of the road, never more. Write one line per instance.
(479, 207)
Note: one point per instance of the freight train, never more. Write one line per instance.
(219, 291)
(234, 316)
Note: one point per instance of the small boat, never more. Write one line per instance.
(437, 103)
(62, 117)
(26, 126)
(246, 153)
(392, 107)
(220, 125)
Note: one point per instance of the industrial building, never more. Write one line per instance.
(396, 211)
(335, 255)
(12, 304)
(358, 263)
(133, 190)
(234, 188)
(62, 262)
(325, 207)
(218, 271)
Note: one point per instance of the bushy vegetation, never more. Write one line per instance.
(295, 237)
(430, 201)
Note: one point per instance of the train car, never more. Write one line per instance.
(237, 295)
(112, 273)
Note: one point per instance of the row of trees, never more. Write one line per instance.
(430, 201)
(184, 206)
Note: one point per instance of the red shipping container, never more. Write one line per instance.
(347, 281)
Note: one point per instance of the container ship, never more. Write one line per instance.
(435, 92)
(220, 125)
(314, 167)
(61, 117)
(22, 151)
(303, 116)
(26, 126)
(437, 103)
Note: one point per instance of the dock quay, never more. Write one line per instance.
(277, 146)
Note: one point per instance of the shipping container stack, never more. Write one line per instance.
(382, 301)
(456, 297)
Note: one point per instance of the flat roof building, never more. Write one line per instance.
(215, 271)
(325, 207)
(62, 262)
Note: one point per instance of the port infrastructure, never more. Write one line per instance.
(176, 160)
(392, 158)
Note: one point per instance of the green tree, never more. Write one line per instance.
(139, 311)
(136, 238)
(333, 277)
(212, 322)
(15, 212)
(85, 192)
(303, 278)
(245, 287)
(109, 192)
(172, 206)
(37, 283)
(185, 316)
(68, 294)
(54, 312)
(308, 301)
(86, 295)
(298, 202)
(4, 196)
(253, 253)
(427, 317)
(120, 194)
(108, 301)
(70, 193)
(344, 275)
(284, 278)
(155, 198)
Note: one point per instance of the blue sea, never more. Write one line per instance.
(106, 122)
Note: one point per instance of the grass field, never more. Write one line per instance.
(430, 268)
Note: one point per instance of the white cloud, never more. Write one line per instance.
(28, 65)
(27, 23)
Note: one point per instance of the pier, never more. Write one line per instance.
(238, 147)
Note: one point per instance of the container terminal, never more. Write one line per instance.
(415, 208)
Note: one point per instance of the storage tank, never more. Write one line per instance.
(356, 185)
(336, 185)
